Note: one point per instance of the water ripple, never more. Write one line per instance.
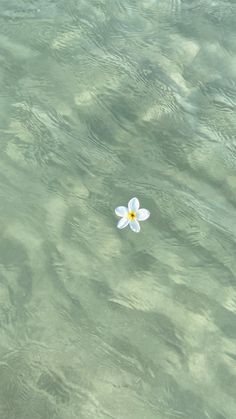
(101, 101)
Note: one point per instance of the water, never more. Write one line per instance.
(102, 101)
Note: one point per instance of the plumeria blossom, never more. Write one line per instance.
(132, 215)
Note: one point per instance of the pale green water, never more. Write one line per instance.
(101, 101)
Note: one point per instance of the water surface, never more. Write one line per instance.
(101, 101)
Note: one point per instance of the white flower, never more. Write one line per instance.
(132, 215)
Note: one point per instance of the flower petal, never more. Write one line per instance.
(133, 204)
(143, 214)
(134, 225)
(123, 222)
(121, 211)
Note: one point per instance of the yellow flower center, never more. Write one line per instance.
(131, 215)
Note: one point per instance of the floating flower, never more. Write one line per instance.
(132, 215)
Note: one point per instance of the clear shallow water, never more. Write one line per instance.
(101, 101)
